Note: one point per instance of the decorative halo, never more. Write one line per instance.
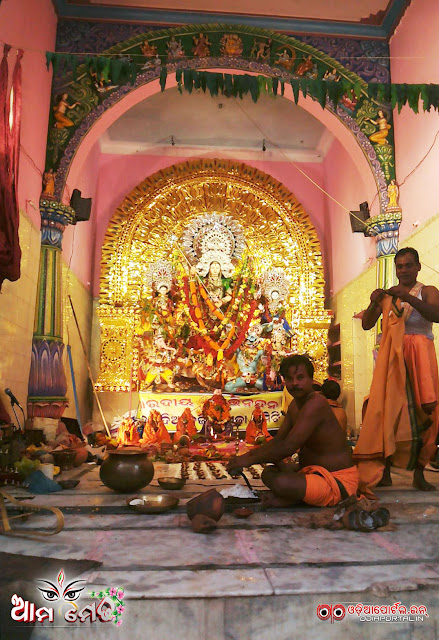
(274, 280)
(213, 232)
(159, 274)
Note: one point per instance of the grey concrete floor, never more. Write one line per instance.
(259, 578)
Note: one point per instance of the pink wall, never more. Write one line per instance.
(350, 252)
(119, 174)
(79, 239)
(414, 53)
(31, 23)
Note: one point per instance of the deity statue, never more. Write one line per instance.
(274, 290)
(127, 433)
(148, 50)
(59, 111)
(285, 59)
(278, 351)
(216, 413)
(218, 302)
(201, 47)
(186, 427)
(380, 136)
(349, 100)
(175, 49)
(205, 321)
(261, 49)
(393, 194)
(157, 364)
(231, 45)
(248, 358)
(49, 183)
(257, 431)
(155, 431)
(331, 75)
(304, 67)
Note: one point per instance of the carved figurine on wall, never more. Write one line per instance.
(148, 50)
(261, 49)
(349, 100)
(393, 195)
(202, 46)
(304, 67)
(257, 431)
(331, 75)
(380, 136)
(231, 45)
(59, 111)
(285, 59)
(175, 49)
(49, 183)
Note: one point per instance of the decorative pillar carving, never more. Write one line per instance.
(385, 229)
(47, 380)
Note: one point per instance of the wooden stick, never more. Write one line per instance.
(90, 375)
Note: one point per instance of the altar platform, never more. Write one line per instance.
(250, 579)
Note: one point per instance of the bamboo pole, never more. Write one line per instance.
(90, 375)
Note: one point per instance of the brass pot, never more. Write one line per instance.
(126, 470)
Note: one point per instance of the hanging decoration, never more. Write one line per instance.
(119, 71)
(10, 119)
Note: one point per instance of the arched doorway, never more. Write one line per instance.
(239, 48)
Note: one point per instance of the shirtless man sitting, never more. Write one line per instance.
(326, 473)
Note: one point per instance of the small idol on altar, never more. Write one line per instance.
(257, 431)
(216, 413)
(155, 431)
(186, 427)
(127, 433)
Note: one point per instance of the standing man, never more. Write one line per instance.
(401, 420)
(326, 473)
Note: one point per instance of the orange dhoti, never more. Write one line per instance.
(395, 425)
(421, 365)
(322, 488)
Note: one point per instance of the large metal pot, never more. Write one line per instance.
(126, 470)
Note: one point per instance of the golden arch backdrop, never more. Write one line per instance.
(148, 225)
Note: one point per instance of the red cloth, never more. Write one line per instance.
(10, 252)
(4, 415)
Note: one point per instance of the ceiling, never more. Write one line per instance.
(203, 123)
(365, 18)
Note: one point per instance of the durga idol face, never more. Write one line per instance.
(215, 269)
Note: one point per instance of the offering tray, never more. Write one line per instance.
(152, 503)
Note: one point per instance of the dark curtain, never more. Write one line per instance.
(10, 252)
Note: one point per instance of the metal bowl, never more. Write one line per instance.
(168, 482)
(153, 503)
